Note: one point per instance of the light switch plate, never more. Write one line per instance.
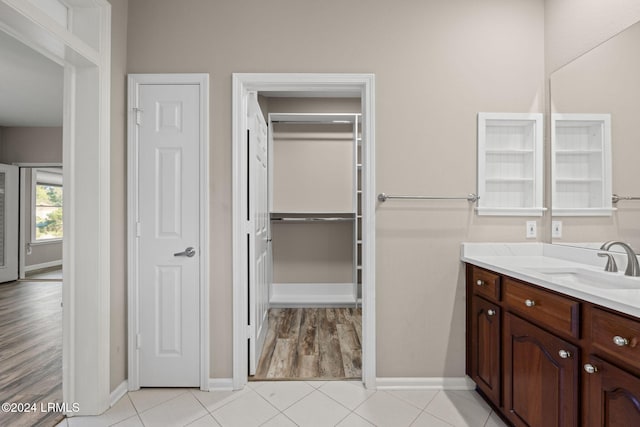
(556, 229)
(532, 230)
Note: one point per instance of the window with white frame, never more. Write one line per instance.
(46, 205)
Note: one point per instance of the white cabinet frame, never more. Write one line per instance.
(510, 164)
(581, 165)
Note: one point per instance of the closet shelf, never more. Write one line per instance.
(498, 180)
(578, 180)
(509, 151)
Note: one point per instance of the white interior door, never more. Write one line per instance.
(259, 265)
(168, 232)
(8, 223)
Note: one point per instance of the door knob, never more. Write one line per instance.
(189, 252)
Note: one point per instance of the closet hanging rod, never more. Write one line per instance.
(312, 219)
(615, 198)
(383, 197)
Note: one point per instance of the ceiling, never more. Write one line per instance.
(31, 86)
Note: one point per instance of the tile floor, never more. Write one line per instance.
(295, 403)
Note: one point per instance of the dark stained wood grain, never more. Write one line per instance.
(312, 343)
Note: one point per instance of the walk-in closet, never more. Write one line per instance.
(314, 326)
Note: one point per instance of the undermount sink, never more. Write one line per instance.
(578, 278)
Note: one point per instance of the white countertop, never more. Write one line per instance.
(572, 271)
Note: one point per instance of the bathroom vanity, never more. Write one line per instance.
(552, 339)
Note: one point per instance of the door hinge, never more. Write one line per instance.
(138, 229)
(138, 341)
(138, 112)
(250, 334)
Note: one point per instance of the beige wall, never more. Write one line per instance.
(573, 27)
(118, 213)
(31, 145)
(436, 64)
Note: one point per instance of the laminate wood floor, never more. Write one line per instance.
(31, 350)
(312, 343)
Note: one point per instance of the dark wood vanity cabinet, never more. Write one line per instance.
(541, 374)
(612, 395)
(486, 343)
(542, 358)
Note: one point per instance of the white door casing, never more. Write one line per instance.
(85, 54)
(168, 276)
(258, 217)
(9, 210)
(327, 85)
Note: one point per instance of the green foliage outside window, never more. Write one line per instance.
(48, 212)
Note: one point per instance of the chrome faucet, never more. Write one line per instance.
(633, 268)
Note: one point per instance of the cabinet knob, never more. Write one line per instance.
(480, 282)
(529, 302)
(491, 312)
(620, 341)
(564, 354)
(590, 369)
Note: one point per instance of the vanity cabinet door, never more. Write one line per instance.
(540, 376)
(613, 395)
(485, 351)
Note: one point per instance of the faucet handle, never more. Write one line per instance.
(611, 262)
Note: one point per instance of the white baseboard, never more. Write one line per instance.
(311, 294)
(220, 384)
(40, 266)
(120, 391)
(426, 383)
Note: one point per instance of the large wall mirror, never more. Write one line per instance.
(599, 89)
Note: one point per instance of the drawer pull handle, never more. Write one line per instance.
(529, 302)
(620, 341)
(590, 369)
(480, 282)
(491, 312)
(564, 354)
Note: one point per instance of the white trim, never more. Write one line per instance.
(42, 265)
(22, 240)
(134, 81)
(361, 85)
(118, 393)
(86, 151)
(220, 384)
(425, 383)
(311, 293)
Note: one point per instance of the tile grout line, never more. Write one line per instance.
(186, 390)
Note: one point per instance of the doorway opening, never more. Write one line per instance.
(31, 230)
(314, 328)
(82, 50)
(301, 302)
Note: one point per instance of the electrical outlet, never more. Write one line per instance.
(532, 230)
(556, 229)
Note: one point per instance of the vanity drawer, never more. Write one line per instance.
(485, 283)
(543, 307)
(616, 336)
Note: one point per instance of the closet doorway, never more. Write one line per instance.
(313, 320)
(308, 301)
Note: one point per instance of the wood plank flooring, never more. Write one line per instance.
(312, 343)
(31, 350)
